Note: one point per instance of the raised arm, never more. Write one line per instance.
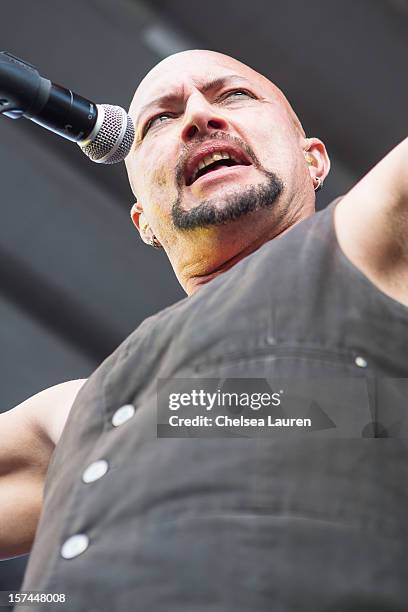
(372, 224)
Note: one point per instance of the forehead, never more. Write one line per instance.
(193, 68)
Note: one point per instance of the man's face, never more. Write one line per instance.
(216, 161)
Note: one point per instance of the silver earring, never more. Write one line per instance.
(319, 183)
(152, 240)
(155, 243)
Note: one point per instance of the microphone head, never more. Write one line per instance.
(112, 136)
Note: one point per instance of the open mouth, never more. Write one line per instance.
(213, 162)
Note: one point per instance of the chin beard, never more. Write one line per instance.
(236, 204)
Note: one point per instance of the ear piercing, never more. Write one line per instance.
(311, 161)
(152, 240)
(319, 183)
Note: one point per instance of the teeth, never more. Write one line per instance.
(209, 159)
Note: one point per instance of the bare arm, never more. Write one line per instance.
(372, 224)
(28, 435)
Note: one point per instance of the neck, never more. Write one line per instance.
(221, 263)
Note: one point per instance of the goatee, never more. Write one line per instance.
(236, 203)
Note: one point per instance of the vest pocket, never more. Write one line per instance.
(326, 387)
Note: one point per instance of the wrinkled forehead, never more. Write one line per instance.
(179, 71)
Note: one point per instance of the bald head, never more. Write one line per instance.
(218, 165)
(183, 59)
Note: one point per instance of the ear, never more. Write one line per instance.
(140, 222)
(317, 159)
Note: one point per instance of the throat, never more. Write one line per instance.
(199, 279)
(202, 279)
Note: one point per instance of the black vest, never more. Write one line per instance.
(283, 523)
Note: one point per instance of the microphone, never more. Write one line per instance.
(105, 133)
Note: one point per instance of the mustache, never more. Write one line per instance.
(219, 135)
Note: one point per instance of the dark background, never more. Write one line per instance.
(75, 277)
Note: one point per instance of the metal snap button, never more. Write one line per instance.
(95, 470)
(74, 546)
(123, 414)
(360, 362)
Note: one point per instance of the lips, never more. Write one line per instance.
(212, 156)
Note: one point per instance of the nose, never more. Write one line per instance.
(201, 118)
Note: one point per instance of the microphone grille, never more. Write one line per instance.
(112, 136)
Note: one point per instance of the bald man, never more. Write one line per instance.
(195, 105)
(123, 513)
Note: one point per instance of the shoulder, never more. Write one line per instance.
(31, 430)
(49, 409)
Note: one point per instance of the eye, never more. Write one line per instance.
(237, 93)
(160, 118)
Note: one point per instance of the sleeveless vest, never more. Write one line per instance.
(230, 523)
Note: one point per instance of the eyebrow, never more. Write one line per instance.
(170, 98)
